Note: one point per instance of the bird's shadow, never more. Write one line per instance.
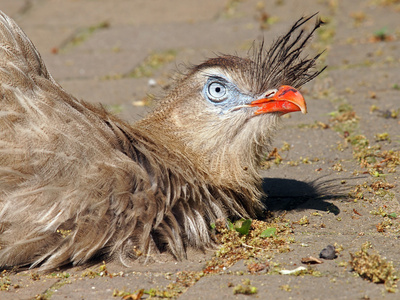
(290, 194)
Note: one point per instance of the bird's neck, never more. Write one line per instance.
(229, 157)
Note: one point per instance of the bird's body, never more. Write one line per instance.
(77, 182)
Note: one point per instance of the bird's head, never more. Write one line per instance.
(226, 109)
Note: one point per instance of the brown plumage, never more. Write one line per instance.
(77, 182)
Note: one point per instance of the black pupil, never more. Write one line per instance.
(217, 89)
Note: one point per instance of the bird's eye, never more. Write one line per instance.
(216, 91)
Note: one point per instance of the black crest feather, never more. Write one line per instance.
(282, 64)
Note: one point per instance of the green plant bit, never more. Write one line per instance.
(269, 232)
(244, 228)
(115, 109)
(373, 108)
(286, 288)
(381, 35)
(396, 86)
(394, 113)
(246, 288)
(382, 137)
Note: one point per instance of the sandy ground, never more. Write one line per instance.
(327, 195)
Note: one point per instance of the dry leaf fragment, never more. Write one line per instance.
(311, 260)
(256, 267)
(292, 272)
(380, 228)
(137, 296)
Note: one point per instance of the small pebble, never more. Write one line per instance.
(152, 82)
(328, 252)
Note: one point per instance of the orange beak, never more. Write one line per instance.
(287, 99)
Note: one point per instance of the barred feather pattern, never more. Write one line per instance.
(77, 182)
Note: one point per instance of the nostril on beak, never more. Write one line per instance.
(270, 93)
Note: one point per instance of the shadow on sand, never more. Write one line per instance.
(290, 194)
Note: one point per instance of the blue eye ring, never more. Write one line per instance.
(217, 91)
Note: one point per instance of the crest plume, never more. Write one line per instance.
(282, 62)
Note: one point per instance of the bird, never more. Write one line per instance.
(78, 183)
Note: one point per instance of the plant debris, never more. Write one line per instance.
(311, 260)
(81, 35)
(372, 157)
(135, 296)
(101, 272)
(257, 267)
(381, 35)
(374, 268)
(183, 281)
(272, 157)
(261, 241)
(303, 221)
(286, 288)
(245, 288)
(5, 281)
(244, 228)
